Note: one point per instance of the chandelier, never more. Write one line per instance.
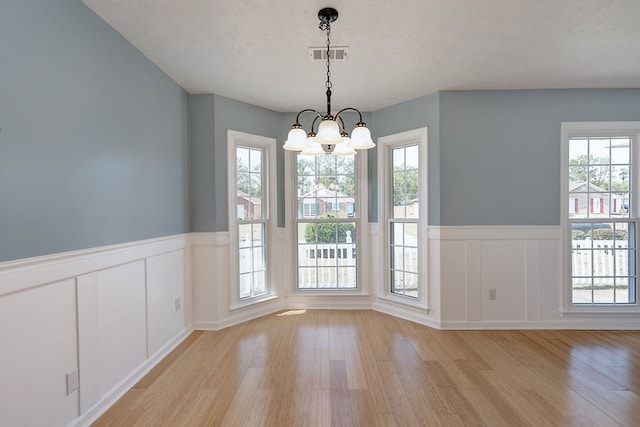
(331, 136)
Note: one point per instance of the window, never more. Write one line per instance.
(250, 215)
(403, 223)
(403, 172)
(326, 226)
(601, 215)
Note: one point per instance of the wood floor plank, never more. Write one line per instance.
(363, 368)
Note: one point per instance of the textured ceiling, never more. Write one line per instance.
(256, 51)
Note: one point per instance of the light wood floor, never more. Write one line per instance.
(363, 368)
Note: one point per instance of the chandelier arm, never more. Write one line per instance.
(351, 109)
(306, 110)
(313, 123)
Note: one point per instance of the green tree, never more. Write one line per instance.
(329, 232)
(248, 182)
(405, 186)
(335, 173)
(583, 168)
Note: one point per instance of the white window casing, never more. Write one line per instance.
(266, 222)
(594, 261)
(419, 138)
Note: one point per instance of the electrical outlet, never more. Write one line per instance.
(177, 304)
(72, 381)
(492, 294)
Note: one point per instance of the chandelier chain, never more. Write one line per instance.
(328, 30)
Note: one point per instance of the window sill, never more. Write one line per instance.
(348, 293)
(252, 302)
(601, 311)
(405, 301)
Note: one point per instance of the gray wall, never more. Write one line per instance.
(202, 165)
(210, 118)
(413, 114)
(500, 150)
(93, 146)
(494, 156)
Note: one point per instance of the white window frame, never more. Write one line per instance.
(363, 287)
(595, 129)
(385, 209)
(268, 146)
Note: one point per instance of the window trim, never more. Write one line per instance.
(268, 145)
(594, 129)
(385, 145)
(363, 288)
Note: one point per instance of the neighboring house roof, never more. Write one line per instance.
(575, 185)
(327, 195)
(253, 200)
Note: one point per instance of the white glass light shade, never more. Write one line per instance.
(312, 148)
(361, 138)
(329, 133)
(296, 140)
(344, 148)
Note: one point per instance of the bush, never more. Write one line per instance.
(579, 235)
(607, 234)
(326, 232)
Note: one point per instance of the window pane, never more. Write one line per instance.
(397, 233)
(411, 260)
(242, 159)
(411, 157)
(602, 260)
(578, 151)
(245, 260)
(398, 158)
(260, 285)
(603, 250)
(411, 284)
(599, 179)
(307, 278)
(251, 235)
(326, 191)
(603, 289)
(411, 234)
(403, 235)
(397, 282)
(623, 293)
(258, 258)
(405, 181)
(599, 150)
(620, 151)
(245, 285)
(255, 161)
(398, 257)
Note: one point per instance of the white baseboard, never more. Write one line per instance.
(238, 316)
(590, 324)
(405, 312)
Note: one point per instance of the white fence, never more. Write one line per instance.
(327, 265)
(604, 258)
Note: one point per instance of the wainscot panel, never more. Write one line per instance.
(78, 329)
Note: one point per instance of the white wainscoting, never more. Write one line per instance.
(211, 288)
(108, 314)
(524, 267)
(111, 313)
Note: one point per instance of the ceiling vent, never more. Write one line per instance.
(335, 53)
